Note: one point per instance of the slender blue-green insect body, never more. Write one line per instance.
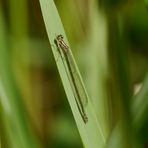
(63, 49)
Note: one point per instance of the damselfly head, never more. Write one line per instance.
(60, 37)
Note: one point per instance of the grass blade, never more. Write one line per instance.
(90, 132)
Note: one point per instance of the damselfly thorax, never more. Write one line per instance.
(60, 43)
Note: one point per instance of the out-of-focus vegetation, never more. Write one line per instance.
(109, 39)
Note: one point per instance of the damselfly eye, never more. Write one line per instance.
(62, 36)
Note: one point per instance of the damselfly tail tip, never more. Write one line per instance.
(85, 118)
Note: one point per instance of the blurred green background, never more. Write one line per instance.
(109, 40)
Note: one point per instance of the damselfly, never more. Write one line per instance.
(73, 76)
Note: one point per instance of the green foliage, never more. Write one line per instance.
(110, 47)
